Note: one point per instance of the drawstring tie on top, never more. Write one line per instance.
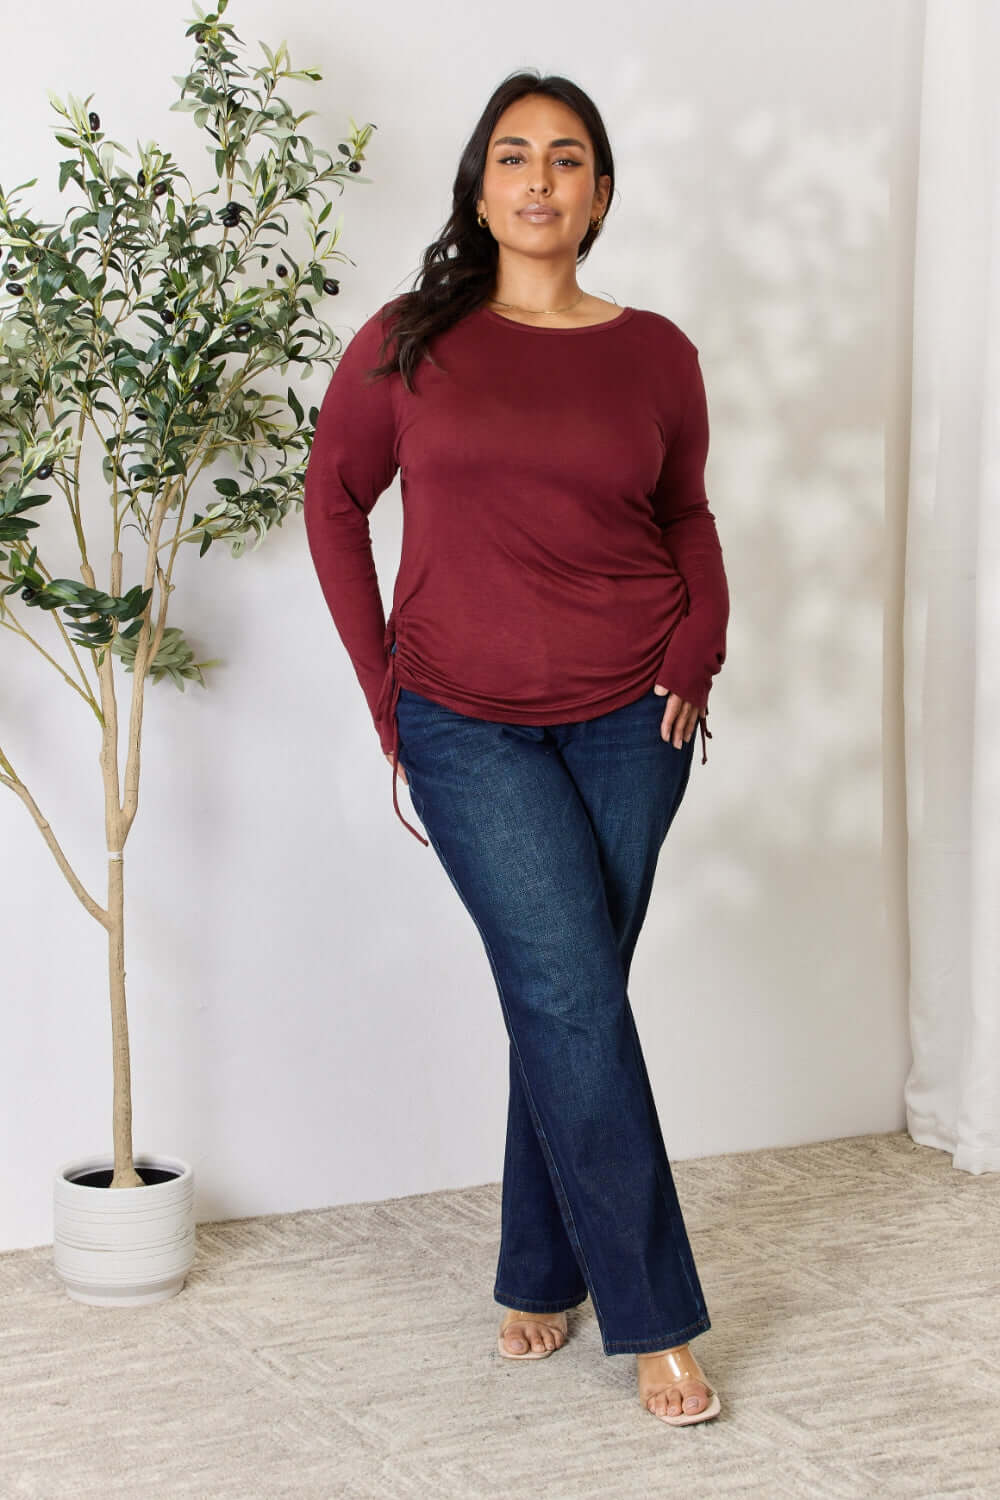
(704, 731)
(392, 679)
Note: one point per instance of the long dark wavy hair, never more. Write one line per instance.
(458, 269)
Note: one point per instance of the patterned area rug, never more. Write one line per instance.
(350, 1353)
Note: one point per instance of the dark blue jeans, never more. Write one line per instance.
(550, 835)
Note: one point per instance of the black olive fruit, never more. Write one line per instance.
(281, 270)
(95, 121)
(330, 286)
(28, 593)
(159, 189)
(15, 288)
(168, 316)
(141, 179)
(242, 329)
(354, 166)
(44, 471)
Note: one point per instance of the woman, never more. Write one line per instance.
(560, 576)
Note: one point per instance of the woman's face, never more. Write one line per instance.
(550, 160)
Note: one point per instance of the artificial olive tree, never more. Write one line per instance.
(139, 326)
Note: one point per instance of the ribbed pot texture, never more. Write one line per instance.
(129, 1246)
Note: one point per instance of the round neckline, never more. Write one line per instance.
(621, 317)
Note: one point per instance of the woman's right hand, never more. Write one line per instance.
(402, 773)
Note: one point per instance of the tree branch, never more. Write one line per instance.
(19, 629)
(19, 789)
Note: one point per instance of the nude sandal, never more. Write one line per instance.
(683, 1366)
(513, 1316)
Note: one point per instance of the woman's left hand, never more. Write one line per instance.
(680, 718)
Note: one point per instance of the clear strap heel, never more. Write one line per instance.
(512, 1315)
(682, 1365)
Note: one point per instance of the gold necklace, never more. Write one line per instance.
(514, 307)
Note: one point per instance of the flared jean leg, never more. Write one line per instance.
(537, 1268)
(533, 1237)
(514, 835)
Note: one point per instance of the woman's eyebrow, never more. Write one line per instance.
(518, 140)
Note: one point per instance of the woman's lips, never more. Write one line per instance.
(538, 215)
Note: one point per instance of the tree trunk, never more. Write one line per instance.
(125, 1174)
(117, 826)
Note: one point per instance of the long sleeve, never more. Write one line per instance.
(697, 647)
(352, 461)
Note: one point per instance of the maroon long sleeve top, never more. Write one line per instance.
(559, 557)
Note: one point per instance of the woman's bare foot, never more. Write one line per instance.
(663, 1387)
(524, 1331)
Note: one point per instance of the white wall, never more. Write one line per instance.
(313, 1020)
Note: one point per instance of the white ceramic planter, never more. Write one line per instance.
(128, 1247)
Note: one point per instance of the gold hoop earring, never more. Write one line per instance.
(482, 222)
(595, 224)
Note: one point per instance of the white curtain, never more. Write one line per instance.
(951, 624)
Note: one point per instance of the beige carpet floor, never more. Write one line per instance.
(350, 1353)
